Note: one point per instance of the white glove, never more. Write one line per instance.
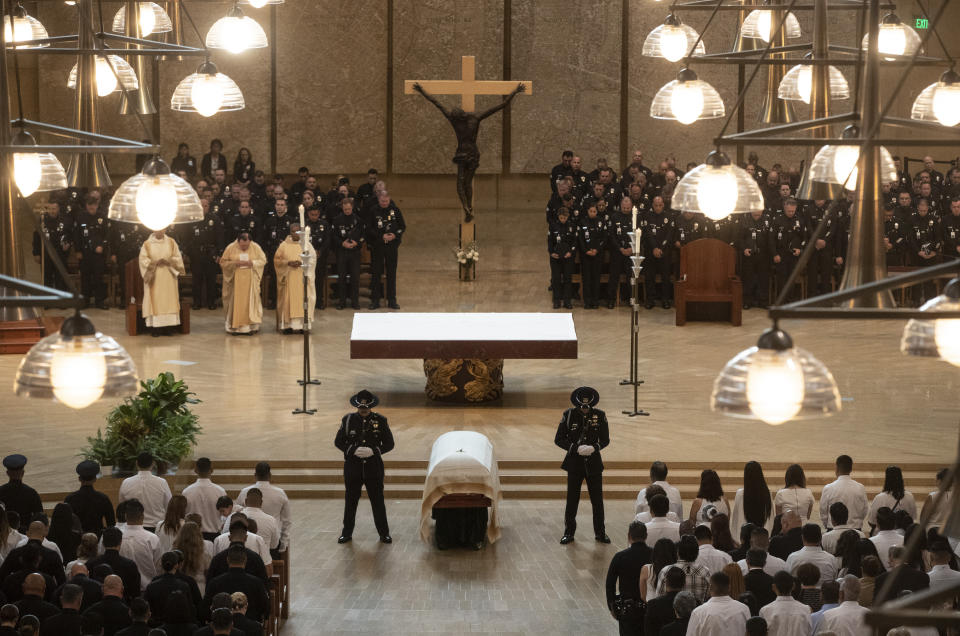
(363, 452)
(584, 450)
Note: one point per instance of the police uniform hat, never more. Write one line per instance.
(364, 399)
(14, 462)
(88, 469)
(585, 396)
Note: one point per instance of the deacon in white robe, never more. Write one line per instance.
(291, 269)
(160, 265)
(242, 264)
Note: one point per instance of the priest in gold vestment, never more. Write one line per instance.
(291, 269)
(160, 265)
(242, 264)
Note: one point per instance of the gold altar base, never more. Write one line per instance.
(463, 380)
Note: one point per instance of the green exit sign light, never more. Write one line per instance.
(921, 23)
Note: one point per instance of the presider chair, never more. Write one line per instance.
(708, 274)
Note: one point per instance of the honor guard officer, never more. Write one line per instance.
(582, 432)
(755, 245)
(364, 437)
(91, 242)
(384, 241)
(321, 239)
(16, 495)
(620, 227)
(57, 227)
(204, 243)
(950, 228)
(92, 507)
(820, 266)
(789, 237)
(657, 242)
(562, 247)
(348, 236)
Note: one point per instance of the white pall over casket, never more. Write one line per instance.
(461, 463)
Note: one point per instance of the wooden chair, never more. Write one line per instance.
(708, 275)
(133, 283)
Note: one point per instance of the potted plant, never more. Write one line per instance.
(158, 421)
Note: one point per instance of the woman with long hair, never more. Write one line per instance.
(196, 555)
(894, 496)
(244, 166)
(737, 584)
(752, 503)
(64, 531)
(722, 539)
(794, 495)
(88, 550)
(664, 554)
(710, 501)
(168, 528)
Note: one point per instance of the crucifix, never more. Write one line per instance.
(466, 125)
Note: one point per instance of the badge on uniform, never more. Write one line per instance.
(100, 221)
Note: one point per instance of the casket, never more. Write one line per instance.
(462, 472)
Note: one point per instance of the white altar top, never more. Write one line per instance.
(461, 462)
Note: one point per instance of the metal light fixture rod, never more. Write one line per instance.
(88, 169)
(11, 258)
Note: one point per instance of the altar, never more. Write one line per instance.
(463, 353)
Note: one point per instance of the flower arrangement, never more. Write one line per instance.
(467, 254)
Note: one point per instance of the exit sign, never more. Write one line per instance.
(921, 23)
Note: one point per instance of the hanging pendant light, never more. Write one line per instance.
(259, 4)
(775, 382)
(837, 163)
(25, 28)
(895, 39)
(206, 92)
(156, 198)
(717, 188)
(153, 19)
(672, 40)
(939, 102)
(236, 33)
(106, 80)
(797, 84)
(936, 338)
(759, 24)
(36, 171)
(76, 366)
(687, 99)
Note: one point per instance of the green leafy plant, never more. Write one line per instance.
(158, 421)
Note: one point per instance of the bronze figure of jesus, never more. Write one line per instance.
(466, 126)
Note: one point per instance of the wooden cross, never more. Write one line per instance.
(467, 87)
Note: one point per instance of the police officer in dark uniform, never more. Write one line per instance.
(688, 227)
(204, 244)
(789, 238)
(894, 237)
(365, 191)
(728, 228)
(582, 433)
(364, 437)
(561, 170)
(92, 507)
(384, 237)
(841, 239)
(592, 236)
(597, 194)
(348, 236)
(562, 247)
(950, 230)
(322, 241)
(621, 249)
(16, 495)
(276, 227)
(820, 265)
(755, 246)
(91, 242)
(57, 227)
(924, 245)
(125, 242)
(581, 180)
(657, 242)
(243, 221)
(625, 568)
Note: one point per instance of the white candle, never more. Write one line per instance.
(301, 215)
(634, 226)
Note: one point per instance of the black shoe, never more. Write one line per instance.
(287, 331)
(556, 304)
(373, 306)
(648, 304)
(746, 305)
(344, 538)
(567, 304)
(155, 333)
(102, 305)
(565, 539)
(393, 305)
(320, 305)
(602, 538)
(611, 304)
(386, 538)
(341, 306)
(355, 305)
(666, 304)
(211, 307)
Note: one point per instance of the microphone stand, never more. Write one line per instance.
(306, 380)
(635, 267)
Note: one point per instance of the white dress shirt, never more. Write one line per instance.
(851, 493)
(673, 494)
(152, 491)
(799, 500)
(846, 620)
(829, 539)
(143, 548)
(787, 617)
(14, 538)
(817, 616)
(941, 576)
(938, 518)
(202, 498)
(771, 566)
(884, 540)
(647, 517)
(661, 527)
(254, 543)
(47, 543)
(720, 616)
(885, 499)
(267, 526)
(275, 504)
(825, 562)
(712, 559)
(166, 539)
(737, 519)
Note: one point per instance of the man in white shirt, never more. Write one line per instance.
(239, 534)
(845, 489)
(811, 552)
(786, 616)
(658, 476)
(660, 527)
(887, 536)
(830, 595)
(275, 502)
(151, 491)
(760, 540)
(712, 559)
(267, 526)
(940, 574)
(838, 515)
(721, 615)
(139, 545)
(202, 498)
(848, 619)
